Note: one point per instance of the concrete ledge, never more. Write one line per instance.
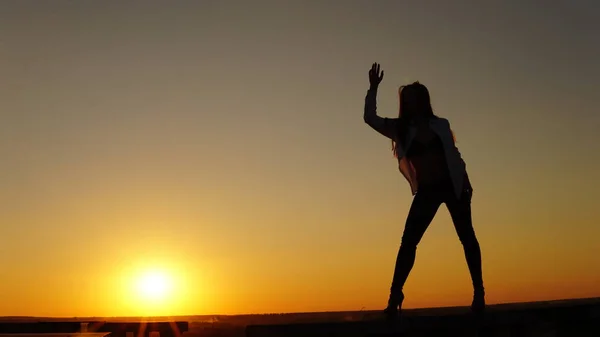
(39, 327)
(114, 328)
(575, 318)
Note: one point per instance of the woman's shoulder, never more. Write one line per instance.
(443, 126)
(441, 120)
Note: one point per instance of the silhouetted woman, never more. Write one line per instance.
(428, 158)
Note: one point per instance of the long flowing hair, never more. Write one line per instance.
(418, 94)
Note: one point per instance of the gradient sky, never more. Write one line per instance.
(223, 142)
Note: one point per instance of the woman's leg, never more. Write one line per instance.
(460, 211)
(422, 211)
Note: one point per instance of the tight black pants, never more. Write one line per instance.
(425, 204)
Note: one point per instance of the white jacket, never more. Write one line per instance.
(441, 126)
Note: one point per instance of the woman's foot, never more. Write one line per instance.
(478, 304)
(392, 311)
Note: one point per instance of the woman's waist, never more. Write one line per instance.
(434, 178)
(432, 171)
(435, 184)
(430, 164)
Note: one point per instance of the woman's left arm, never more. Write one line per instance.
(467, 181)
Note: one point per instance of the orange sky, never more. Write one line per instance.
(222, 145)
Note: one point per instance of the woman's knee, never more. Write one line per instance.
(469, 239)
(408, 244)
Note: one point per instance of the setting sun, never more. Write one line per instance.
(154, 285)
(153, 288)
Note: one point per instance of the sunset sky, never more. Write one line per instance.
(221, 145)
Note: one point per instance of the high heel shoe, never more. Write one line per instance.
(478, 304)
(394, 307)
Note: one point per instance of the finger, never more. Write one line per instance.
(381, 78)
(378, 67)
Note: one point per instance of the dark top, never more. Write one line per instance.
(419, 147)
(426, 152)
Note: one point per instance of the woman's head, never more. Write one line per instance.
(414, 103)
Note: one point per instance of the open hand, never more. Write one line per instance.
(375, 74)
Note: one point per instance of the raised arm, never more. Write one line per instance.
(385, 126)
